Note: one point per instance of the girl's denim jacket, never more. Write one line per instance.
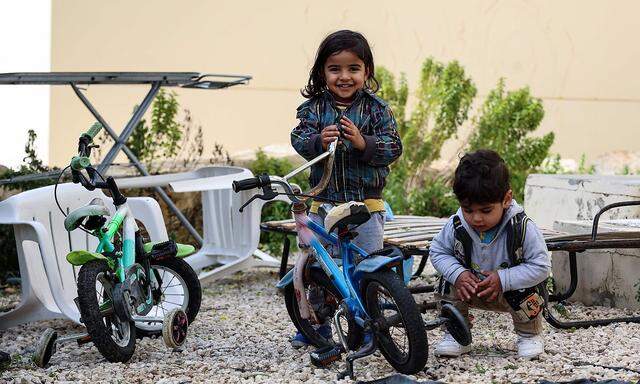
(357, 175)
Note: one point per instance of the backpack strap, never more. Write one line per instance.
(463, 245)
(516, 233)
(462, 251)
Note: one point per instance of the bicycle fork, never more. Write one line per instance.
(365, 350)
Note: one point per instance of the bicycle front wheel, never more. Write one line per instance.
(400, 331)
(115, 339)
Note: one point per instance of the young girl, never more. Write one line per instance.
(342, 104)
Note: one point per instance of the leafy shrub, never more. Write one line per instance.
(167, 141)
(444, 98)
(506, 119)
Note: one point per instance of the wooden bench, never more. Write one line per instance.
(413, 234)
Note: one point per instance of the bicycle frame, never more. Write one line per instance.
(122, 217)
(342, 279)
(346, 280)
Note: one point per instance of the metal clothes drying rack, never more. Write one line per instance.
(155, 80)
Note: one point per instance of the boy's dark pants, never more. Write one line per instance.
(523, 328)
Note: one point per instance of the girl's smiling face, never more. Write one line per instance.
(344, 73)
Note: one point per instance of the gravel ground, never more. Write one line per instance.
(241, 336)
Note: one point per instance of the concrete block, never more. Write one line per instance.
(549, 198)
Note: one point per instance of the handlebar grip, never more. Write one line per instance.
(94, 130)
(79, 163)
(246, 184)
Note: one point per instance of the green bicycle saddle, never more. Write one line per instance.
(95, 208)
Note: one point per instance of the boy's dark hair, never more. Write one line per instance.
(481, 177)
(334, 43)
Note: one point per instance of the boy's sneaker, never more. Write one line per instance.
(530, 347)
(300, 340)
(449, 347)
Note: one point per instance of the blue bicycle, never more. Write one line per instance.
(342, 305)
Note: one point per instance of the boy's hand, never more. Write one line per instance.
(491, 287)
(466, 285)
(328, 135)
(352, 133)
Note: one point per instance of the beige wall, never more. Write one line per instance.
(580, 57)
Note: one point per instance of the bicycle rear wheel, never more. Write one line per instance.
(180, 290)
(325, 300)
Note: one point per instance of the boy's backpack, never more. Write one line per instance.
(526, 303)
(516, 230)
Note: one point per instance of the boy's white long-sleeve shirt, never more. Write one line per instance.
(533, 270)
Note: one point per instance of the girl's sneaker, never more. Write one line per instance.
(300, 340)
(449, 347)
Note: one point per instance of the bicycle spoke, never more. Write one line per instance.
(165, 288)
(164, 311)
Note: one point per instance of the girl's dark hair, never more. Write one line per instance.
(481, 177)
(337, 42)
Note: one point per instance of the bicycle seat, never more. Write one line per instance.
(351, 213)
(95, 208)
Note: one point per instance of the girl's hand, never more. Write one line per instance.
(328, 135)
(490, 288)
(352, 133)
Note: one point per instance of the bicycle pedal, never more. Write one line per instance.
(324, 356)
(163, 250)
(84, 340)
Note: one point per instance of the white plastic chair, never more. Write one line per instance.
(48, 280)
(230, 238)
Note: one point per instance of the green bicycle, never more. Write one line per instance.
(126, 288)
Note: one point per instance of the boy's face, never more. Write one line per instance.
(344, 73)
(485, 216)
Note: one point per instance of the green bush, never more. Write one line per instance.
(444, 98)
(277, 210)
(505, 122)
(435, 198)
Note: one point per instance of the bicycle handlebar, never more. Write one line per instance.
(83, 162)
(78, 163)
(94, 130)
(265, 181)
(250, 183)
